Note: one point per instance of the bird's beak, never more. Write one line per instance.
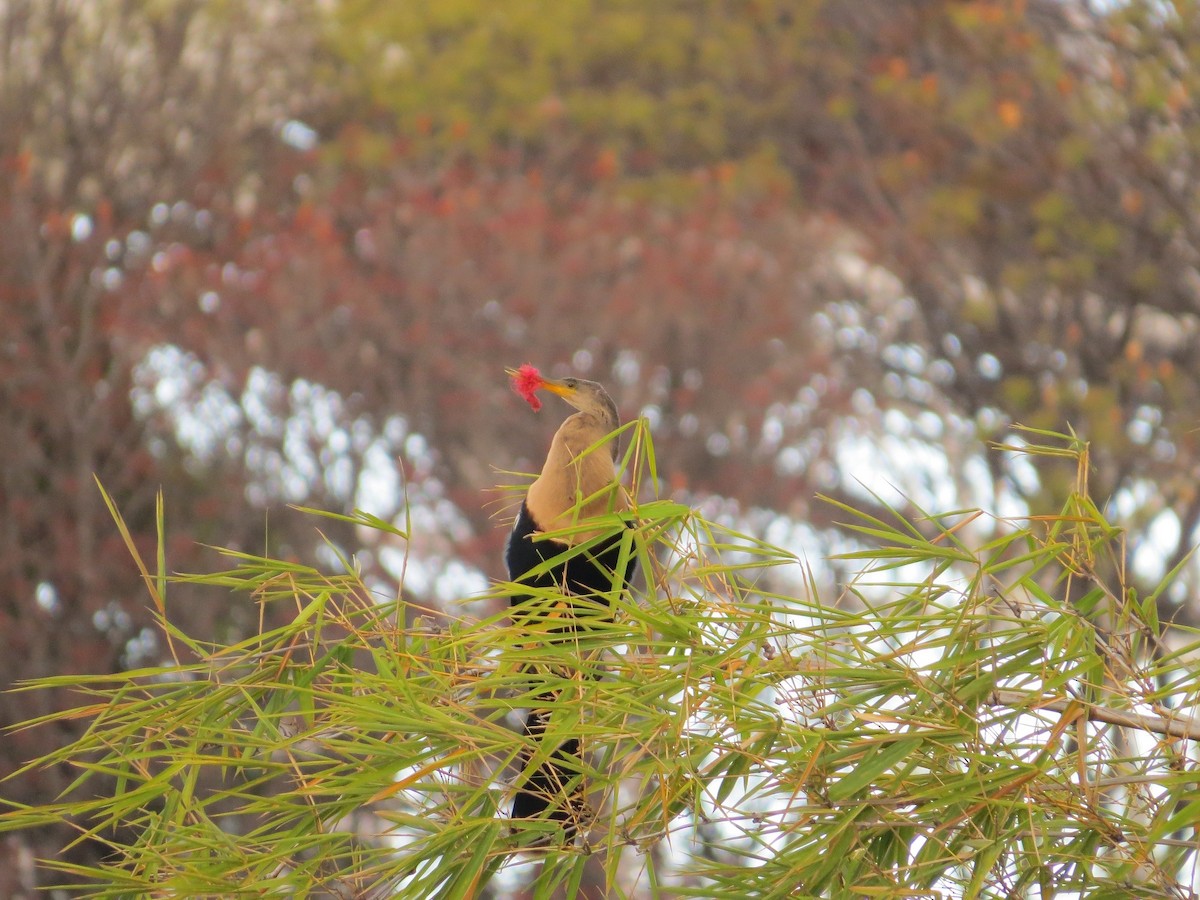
(554, 386)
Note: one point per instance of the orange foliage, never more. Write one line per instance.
(1009, 112)
(605, 164)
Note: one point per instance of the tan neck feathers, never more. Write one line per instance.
(571, 474)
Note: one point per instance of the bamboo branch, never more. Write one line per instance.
(1178, 727)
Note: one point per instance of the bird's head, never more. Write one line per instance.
(589, 397)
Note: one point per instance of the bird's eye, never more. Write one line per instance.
(571, 382)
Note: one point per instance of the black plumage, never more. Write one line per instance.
(587, 573)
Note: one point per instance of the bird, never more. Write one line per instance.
(578, 482)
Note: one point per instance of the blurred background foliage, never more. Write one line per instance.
(261, 253)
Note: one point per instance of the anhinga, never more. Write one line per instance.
(577, 482)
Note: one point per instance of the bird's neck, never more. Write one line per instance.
(579, 432)
(572, 474)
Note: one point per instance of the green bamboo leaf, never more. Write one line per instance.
(472, 872)
(872, 767)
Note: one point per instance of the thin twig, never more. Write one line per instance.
(1178, 727)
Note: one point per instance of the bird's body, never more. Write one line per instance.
(587, 574)
(577, 483)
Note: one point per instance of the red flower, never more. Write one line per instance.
(525, 381)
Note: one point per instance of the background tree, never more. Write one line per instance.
(120, 122)
(1023, 169)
